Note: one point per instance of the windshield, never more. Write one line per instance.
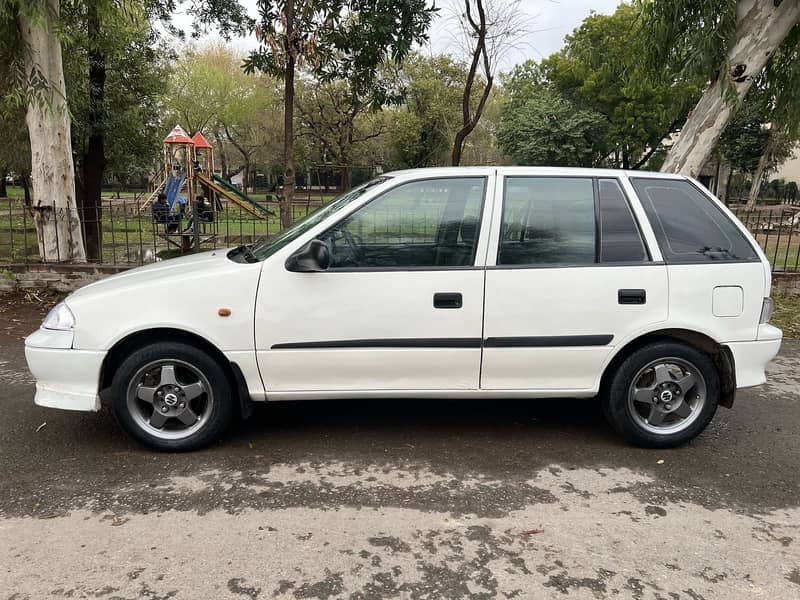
(264, 248)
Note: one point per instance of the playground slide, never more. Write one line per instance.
(173, 188)
(225, 189)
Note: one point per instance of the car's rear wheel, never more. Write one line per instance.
(663, 395)
(172, 396)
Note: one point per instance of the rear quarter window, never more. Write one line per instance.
(689, 226)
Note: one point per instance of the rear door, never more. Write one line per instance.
(568, 278)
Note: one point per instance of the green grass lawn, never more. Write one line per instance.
(787, 315)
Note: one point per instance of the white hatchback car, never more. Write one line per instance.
(639, 288)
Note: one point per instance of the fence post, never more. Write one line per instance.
(196, 226)
(11, 232)
(788, 241)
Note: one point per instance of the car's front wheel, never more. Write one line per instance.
(172, 396)
(662, 395)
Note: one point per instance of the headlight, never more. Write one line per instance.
(766, 310)
(60, 317)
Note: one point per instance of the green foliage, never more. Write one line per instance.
(136, 77)
(523, 82)
(682, 40)
(546, 129)
(228, 16)
(781, 82)
(689, 38)
(745, 138)
(339, 128)
(15, 151)
(340, 39)
(19, 84)
(426, 123)
(597, 71)
(429, 119)
(208, 91)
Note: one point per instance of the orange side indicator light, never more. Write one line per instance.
(224, 312)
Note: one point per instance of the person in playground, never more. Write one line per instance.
(160, 209)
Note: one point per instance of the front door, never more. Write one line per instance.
(568, 278)
(399, 308)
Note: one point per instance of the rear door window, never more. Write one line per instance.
(689, 226)
(547, 221)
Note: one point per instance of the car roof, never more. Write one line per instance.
(541, 171)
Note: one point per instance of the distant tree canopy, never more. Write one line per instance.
(546, 129)
(598, 80)
(344, 40)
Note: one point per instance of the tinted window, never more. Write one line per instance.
(688, 225)
(547, 220)
(430, 223)
(620, 240)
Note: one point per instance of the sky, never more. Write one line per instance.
(548, 22)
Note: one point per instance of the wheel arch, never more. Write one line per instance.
(124, 346)
(719, 353)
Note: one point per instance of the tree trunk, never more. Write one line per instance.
(94, 159)
(287, 199)
(3, 190)
(346, 177)
(758, 176)
(245, 157)
(26, 189)
(470, 121)
(761, 27)
(224, 164)
(55, 212)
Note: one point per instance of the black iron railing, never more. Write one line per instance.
(132, 235)
(123, 233)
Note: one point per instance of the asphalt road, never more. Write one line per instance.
(399, 500)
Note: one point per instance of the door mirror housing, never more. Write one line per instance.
(311, 258)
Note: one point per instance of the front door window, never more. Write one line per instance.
(431, 223)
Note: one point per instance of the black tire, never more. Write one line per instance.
(220, 410)
(617, 408)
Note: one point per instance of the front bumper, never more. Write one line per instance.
(751, 358)
(65, 378)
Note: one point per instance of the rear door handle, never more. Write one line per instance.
(447, 300)
(632, 296)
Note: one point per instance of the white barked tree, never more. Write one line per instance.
(52, 170)
(754, 33)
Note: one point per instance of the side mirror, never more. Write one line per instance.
(311, 258)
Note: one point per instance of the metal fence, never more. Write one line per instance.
(777, 231)
(130, 235)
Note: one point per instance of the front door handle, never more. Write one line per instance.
(447, 300)
(631, 296)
